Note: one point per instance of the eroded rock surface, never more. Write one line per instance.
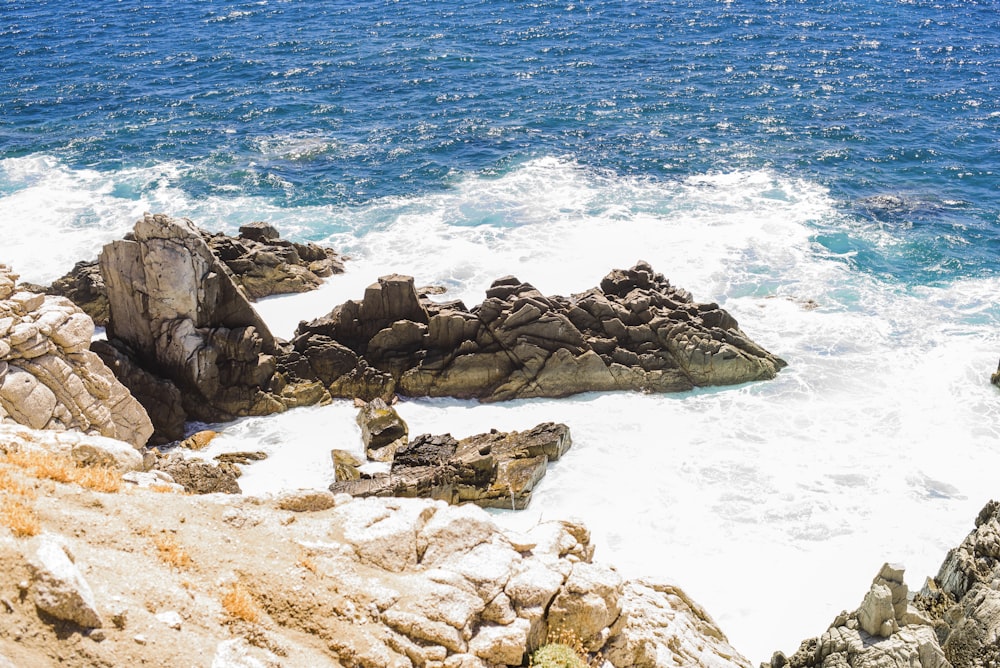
(634, 332)
(953, 621)
(175, 306)
(323, 580)
(492, 470)
(259, 261)
(49, 378)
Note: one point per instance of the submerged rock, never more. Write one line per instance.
(635, 332)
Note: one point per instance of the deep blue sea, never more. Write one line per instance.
(827, 170)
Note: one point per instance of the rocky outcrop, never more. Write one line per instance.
(263, 264)
(635, 332)
(260, 262)
(175, 306)
(49, 379)
(492, 470)
(198, 476)
(60, 590)
(149, 577)
(953, 621)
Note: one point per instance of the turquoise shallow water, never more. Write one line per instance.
(824, 170)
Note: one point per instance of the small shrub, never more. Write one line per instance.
(14, 484)
(239, 604)
(171, 552)
(563, 649)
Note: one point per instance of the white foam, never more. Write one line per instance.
(774, 503)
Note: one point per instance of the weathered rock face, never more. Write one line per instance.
(634, 332)
(493, 470)
(953, 621)
(264, 264)
(175, 305)
(49, 379)
(258, 260)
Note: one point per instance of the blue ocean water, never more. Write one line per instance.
(892, 105)
(826, 170)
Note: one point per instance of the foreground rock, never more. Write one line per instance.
(634, 332)
(953, 621)
(258, 260)
(175, 310)
(494, 470)
(230, 581)
(49, 379)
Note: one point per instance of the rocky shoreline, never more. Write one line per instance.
(390, 581)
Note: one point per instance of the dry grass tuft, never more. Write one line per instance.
(171, 552)
(60, 468)
(239, 604)
(14, 484)
(19, 517)
(16, 511)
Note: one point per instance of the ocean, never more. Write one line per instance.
(826, 171)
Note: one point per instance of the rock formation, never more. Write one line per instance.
(49, 379)
(634, 332)
(493, 470)
(156, 578)
(259, 262)
(953, 621)
(176, 308)
(263, 264)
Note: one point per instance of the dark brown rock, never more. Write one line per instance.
(199, 476)
(635, 332)
(176, 309)
(492, 470)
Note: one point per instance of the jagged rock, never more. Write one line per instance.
(175, 305)
(83, 286)
(382, 430)
(953, 621)
(49, 379)
(199, 476)
(345, 465)
(303, 501)
(264, 264)
(240, 457)
(60, 590)
(492, 470)
(635, 332)
(258, 260)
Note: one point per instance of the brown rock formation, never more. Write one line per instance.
(635, 332)
(49, 379)
(493, 470)
(953, 621)
(263, 264)
(175, 305)
(259, 262)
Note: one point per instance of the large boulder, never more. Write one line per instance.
(635, 332)
(49, 379)
(175, 305)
